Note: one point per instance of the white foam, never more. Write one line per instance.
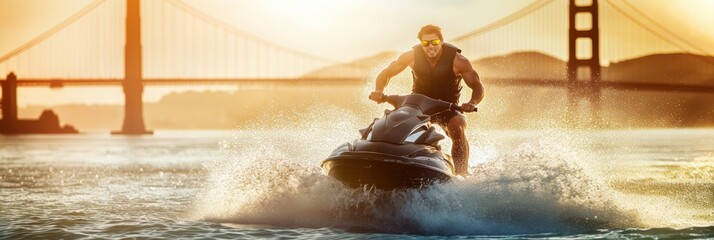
(273, 178)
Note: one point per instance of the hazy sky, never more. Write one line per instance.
(340, 30)
(376, 25)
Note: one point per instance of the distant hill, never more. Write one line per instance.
(663, 68)
(674, 68)
(521, 64)
(660, 68)
(360, 67)
(533, 64)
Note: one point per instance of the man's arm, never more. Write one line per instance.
(393, 69)
(471, 78)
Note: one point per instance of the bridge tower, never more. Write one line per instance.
(9, 101)
(133, 86)
(584, 72)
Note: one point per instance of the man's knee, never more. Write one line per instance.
(456, 127)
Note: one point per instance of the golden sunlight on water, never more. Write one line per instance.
(257, 182)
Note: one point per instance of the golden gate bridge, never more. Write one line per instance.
(173, 43)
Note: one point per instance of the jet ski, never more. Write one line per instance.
(397, 151)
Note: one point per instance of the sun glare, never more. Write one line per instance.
(697, 15)
(704, 13)
(308, 14)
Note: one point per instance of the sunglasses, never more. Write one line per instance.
(434, 42)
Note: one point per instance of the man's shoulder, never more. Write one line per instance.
(460, 61)
(460, 57)
(452, 47)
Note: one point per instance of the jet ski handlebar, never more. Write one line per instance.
(454, 107)
(397, 100)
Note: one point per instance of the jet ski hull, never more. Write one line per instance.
(383, 171)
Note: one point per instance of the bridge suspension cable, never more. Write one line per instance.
(52, 31)
(222, 24)
(88, 44)
(534, 6)
(204, 46)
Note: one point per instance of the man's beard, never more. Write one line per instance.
(431, 53)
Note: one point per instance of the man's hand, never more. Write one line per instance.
(377, 97)
(468, 107)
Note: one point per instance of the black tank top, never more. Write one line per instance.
(438, 82)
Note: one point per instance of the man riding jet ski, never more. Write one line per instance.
(399, 150)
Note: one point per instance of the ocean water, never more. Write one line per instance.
(266, 183)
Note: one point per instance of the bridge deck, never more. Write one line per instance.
(605, 84)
